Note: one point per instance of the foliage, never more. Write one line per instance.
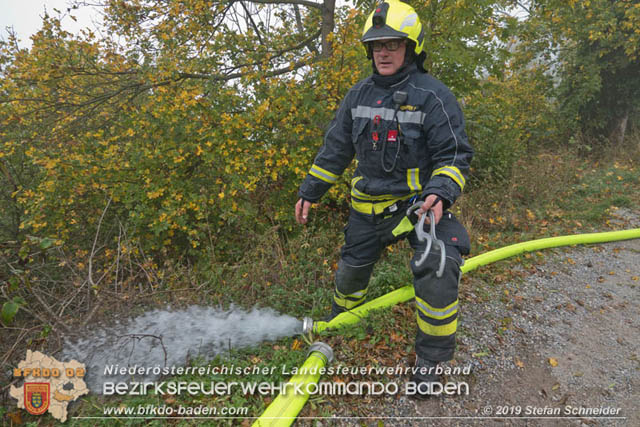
(10, 309)
(595, 44)
(506, 118)
(464, 40)
(198, 124)
(293, 276)
(180, 158)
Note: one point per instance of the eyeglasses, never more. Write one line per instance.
(391, 45)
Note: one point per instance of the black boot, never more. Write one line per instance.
(335, 310)
(423, 377)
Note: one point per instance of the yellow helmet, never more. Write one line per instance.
(394, 19)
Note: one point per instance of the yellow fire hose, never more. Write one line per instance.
(285, 408)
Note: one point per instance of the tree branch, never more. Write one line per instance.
(277, 72)
(300, 2)
(309, 45)
(253, 24)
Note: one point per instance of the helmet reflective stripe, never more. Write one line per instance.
(394, 19)
(409, 21)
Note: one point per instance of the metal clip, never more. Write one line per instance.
(428, 237)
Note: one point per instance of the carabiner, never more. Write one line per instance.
(428, 237)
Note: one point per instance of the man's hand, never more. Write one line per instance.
(428, 204)
(302, 211)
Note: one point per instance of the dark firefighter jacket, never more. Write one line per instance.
(426, 131)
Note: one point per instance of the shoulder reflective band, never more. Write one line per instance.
(323, 174)
(453, 173)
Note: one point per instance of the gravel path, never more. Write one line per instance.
(563, 341)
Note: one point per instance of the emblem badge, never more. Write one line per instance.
(36, 398)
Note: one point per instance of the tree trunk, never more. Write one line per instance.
(328, 24)
(619, 130)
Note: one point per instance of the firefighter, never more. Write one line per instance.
(406, 130)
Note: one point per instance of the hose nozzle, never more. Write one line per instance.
(307, 325)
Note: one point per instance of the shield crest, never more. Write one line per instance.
(36, 397)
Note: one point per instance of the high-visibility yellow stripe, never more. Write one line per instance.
(377, 207)
(345, 303)
(362, 207)
(453, 173)
(363, 196)
(373, 208)
(350, 301)
(403, 227)
(361, 202)
(436, 313)
(323, 174)
(358, 294)
(437, 331)
(413, 179)
(452, 176)
(368, 197)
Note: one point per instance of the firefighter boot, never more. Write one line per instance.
(423, 377)
(335, 310)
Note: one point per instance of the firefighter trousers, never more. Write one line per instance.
(436, 299)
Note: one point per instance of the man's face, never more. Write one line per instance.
(388, 55)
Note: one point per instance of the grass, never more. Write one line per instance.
(548, 194)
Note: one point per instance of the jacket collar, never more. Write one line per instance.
(396, 80)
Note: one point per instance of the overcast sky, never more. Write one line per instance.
(25, 16)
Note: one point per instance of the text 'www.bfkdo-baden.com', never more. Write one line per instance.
(151, 410)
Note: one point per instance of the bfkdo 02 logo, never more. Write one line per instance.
(49, 385)
(37, 397)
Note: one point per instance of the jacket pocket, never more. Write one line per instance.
(358, 136)
(413, 149)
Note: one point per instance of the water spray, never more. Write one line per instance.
(165, 338)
